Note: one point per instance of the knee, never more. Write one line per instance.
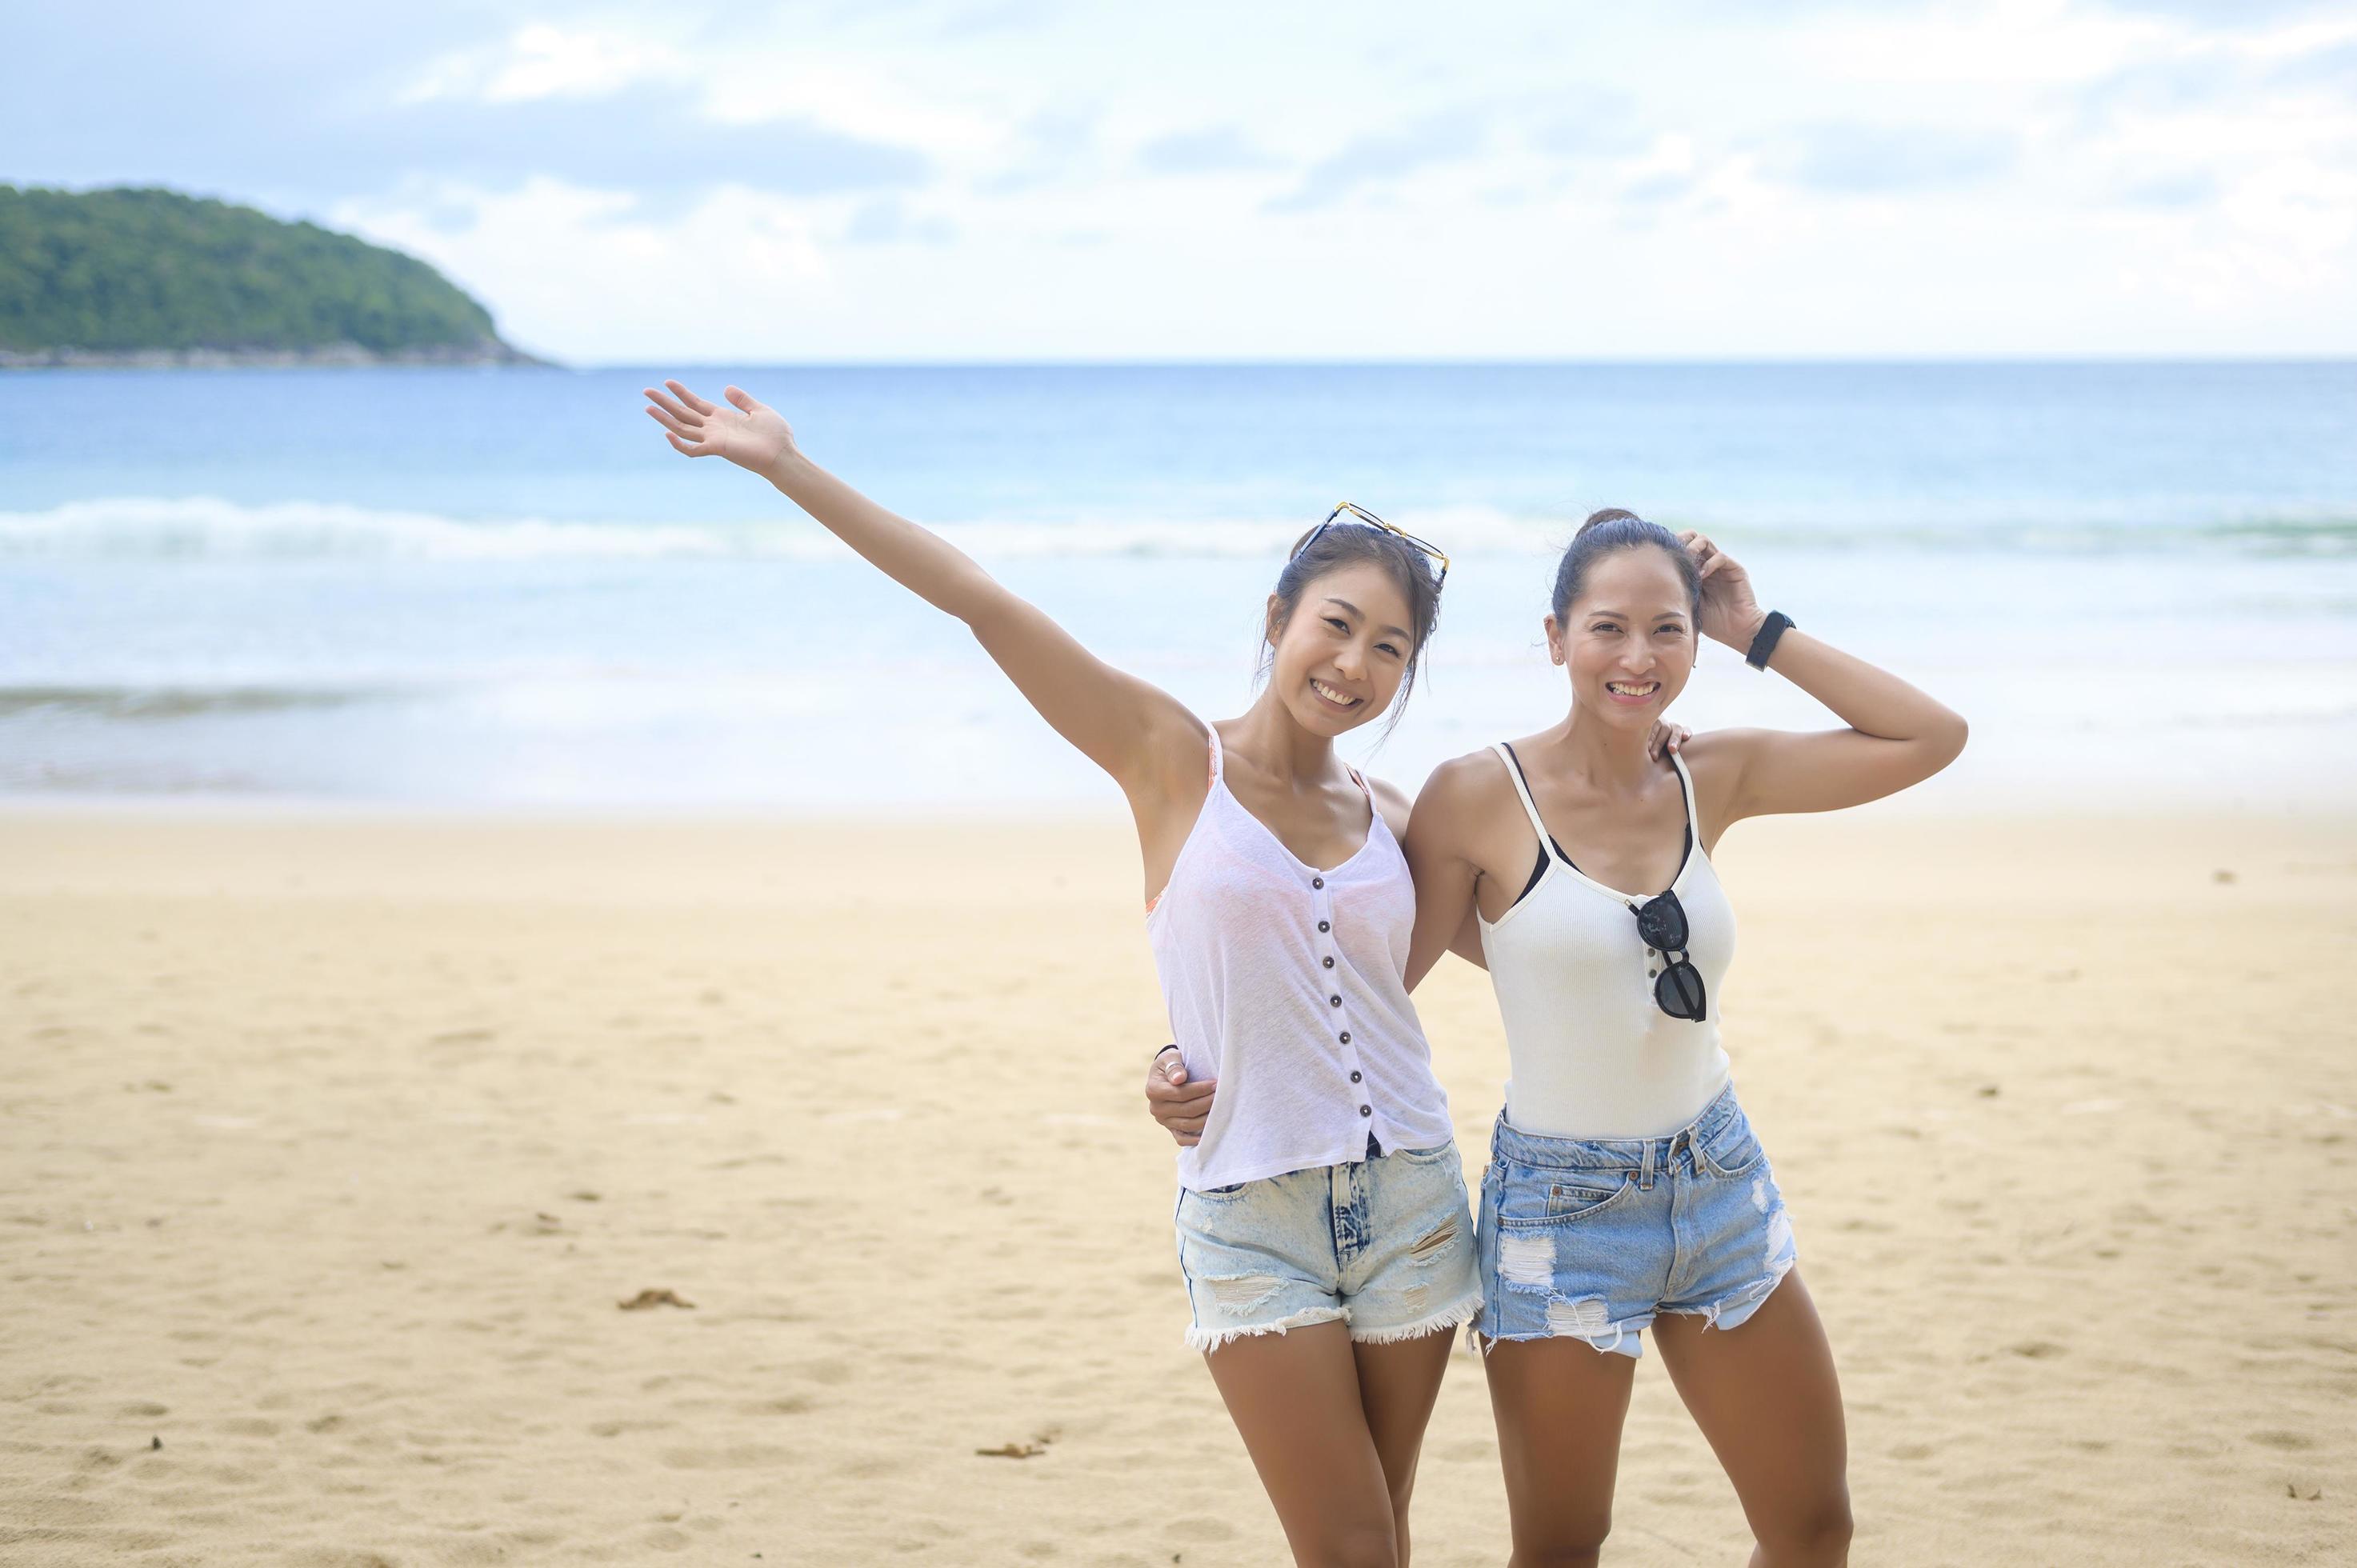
(1361, 1546)
(1817, 1533)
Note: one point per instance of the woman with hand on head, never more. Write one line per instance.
(1324, 1229)
(1625, 1189)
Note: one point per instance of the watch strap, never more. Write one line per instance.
(1763, 644)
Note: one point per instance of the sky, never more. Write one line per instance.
(932, 180)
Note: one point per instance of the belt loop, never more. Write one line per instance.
(1645, 1173)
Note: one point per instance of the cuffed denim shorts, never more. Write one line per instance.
(1384, 1245)
(1592, 1240)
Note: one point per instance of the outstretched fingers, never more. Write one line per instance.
(682, 415)
(673, 428)
(689, 398)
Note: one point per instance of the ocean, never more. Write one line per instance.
(499, 589)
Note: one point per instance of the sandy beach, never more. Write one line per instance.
(329, 1144)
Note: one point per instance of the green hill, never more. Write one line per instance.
(146, 276)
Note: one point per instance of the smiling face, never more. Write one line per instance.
(1629, 637)
(1342, 655)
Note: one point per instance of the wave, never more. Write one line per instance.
(174, 702)
(203, 527)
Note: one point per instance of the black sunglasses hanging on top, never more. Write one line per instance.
(1662, 926)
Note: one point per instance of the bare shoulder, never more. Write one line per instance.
(1719, 753)
(1463, 788)
(1395, 803)
(1716, 760)
(1179, 745)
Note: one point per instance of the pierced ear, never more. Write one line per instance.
(1554, 629)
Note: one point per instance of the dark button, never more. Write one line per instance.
(1329, 964)
(1316, 882)
(1366, 1110)
(1335, 1000)
(1354, 1078)
(1346, 1037)
(1325, 925)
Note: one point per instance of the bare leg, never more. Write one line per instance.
(1560, 1404)
(1296, 1399)
(1767, 1398)
(1397, 1384)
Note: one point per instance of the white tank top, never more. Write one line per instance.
(1285, 983)
(1592, 1054)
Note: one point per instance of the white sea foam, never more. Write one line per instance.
(211, 528)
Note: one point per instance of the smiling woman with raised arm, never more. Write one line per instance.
(1324, 1231)
(1625, 1189)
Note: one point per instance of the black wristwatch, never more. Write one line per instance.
(1764, 646)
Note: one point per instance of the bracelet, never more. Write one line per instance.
(1158, 1056)
(1764, 646)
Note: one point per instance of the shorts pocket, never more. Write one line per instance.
(1218, 1194)
(1547, 1195)
(1732, 1150)
(1575, 1194)
(1443, 1155)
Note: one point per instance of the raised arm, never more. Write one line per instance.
(1129, 727)
(1896, 736)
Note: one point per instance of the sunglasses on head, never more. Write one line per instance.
(1678, 988)
(1360, 515)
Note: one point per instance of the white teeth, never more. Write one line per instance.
(1331, 695)
(1626, 690)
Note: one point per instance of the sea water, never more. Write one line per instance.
(500, 588)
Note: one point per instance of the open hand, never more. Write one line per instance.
(1180, 1105)
(751, 435)
(1731, 614)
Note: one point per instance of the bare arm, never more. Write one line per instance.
(1127, 726)
(1897, 736)
(1445, 873)
(1399, 811)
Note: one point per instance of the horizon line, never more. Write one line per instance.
(1892, 361)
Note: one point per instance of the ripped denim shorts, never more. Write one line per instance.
(1384, 1245)
(1593, 1239)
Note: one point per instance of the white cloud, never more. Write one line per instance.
(1972, 176)
(541, 60)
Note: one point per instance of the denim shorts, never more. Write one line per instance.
(1384, 1245)
(1593, 1239)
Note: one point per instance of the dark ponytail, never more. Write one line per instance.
(1611, 530)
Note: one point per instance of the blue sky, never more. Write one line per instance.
(1009, 179)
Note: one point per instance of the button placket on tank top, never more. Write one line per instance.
(1321, 903)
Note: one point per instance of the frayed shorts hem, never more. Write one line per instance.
(1443, 1322)
(1209, 1340)
(1731, 1311)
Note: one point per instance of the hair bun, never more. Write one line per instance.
(1610, 514)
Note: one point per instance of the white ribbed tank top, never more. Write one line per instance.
(1286, 982)
(1592, 1054)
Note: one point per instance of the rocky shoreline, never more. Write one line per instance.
(339, 355)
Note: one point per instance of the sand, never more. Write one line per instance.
(329, 1145)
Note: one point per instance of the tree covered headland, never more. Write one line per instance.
(156, 276)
